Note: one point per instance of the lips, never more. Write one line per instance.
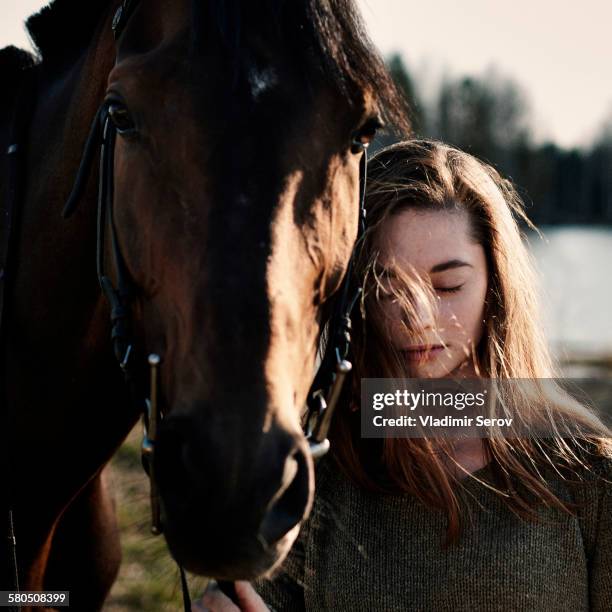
(422, 352)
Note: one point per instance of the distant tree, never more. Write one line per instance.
(487, 116)
(599, 172)
(465, 116)
(406, 85)
(604, 136)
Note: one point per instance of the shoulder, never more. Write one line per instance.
(337, 498)
(591, 490)
(330, 487)
(594, 462)
(574, 460)
(597, 475)
(333, 481)
(595, 485)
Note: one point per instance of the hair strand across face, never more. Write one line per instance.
(431, 176)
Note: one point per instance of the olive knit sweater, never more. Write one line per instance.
(361, 551)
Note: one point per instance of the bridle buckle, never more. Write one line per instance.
(126, 357)
(150, 420)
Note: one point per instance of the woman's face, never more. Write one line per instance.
(437, 246)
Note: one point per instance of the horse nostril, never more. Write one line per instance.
(288, 509)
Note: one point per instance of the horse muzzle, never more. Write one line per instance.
(231, 511)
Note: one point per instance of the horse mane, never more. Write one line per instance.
(13, 62)
(64, 27)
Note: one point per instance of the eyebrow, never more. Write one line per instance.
(449, 265)
(441, 267)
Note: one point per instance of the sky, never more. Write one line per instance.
(559, 51)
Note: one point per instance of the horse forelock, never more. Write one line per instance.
(326, 34)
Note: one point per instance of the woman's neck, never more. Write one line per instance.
(467, 369)
(469, 456)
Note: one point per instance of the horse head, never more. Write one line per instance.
(235, 211)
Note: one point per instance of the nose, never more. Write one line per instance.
(257, 486)
(425, 311)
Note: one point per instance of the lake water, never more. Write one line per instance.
(575, 265)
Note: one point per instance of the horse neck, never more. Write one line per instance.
(53, 253)
(65, 389)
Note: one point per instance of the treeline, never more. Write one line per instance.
(489, 117)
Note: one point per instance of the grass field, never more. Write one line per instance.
(148, 579)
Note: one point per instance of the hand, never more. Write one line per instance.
(214, 600)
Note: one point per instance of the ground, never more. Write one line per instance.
(148, 578)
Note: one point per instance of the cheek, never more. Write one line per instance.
(389, 318)
(462, 316)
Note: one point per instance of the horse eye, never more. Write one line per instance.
(120, 116)
(365, 134)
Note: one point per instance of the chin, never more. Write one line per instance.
(437, 369)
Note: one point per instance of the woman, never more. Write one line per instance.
(428, 524)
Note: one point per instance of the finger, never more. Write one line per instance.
(249, 598)
(213, 600)
(228, 588)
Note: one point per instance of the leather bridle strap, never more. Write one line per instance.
(102, 137)
(122, 16)
(118, 298)
(325, 390)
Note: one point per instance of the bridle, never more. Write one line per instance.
(327, 384)
(326, 387)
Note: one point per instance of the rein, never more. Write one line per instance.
(326, 387)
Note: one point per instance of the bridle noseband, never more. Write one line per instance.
(326, 387)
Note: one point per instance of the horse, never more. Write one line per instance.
(234, 179)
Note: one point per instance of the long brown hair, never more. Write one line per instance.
(432, 175)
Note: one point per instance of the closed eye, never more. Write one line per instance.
(449, 289)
